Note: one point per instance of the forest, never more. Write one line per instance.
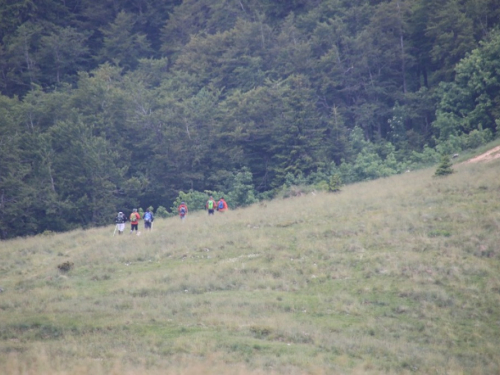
(110, 105)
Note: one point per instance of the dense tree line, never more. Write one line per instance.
(117, 104)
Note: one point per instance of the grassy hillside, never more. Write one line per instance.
(397, 275)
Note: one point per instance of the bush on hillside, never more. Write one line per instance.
(444, 168)
(242, 192)
(427, 157)
(162, 212)
(335, 183)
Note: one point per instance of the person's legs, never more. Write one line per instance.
(121, 227)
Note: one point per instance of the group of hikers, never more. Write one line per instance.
(211, 205)
(134, 218)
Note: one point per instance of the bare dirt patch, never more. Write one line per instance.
(489, 155)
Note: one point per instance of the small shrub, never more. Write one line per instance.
(478, 137)
(294, 191)
(321, 186)
(162, 212)
(261, 332)
(66, 266)
(439, 232)
(428, 156)
(335, 183)
(444, 168)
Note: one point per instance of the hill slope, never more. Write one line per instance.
(390, 276)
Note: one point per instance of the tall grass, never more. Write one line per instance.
(397, 275)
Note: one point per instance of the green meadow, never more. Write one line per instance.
(398, 275)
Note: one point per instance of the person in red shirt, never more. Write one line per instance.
(134, 221)
(222, 205)
(182, 210)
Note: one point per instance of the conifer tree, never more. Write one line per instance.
(335, 183)
(444, 168)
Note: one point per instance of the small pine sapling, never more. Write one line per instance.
(335, 183)
(444, 168)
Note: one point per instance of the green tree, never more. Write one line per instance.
(13, 171)
(197, 17)
(444, 168)
(13, 14)
(63, 53)
(249, 131)
(121, 45)
(337, 137)
(472, 101)
(397, 126)
(387, 51)
(102, 100)
(292, 50)
(230, 59)
(419, 113)
(22, 67)
(151, 16)
(335, 183)
(298, 138)
(242, 192)
(87, 172)
(44, 208)
(452, 35)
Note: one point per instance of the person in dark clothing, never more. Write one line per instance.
(120, 221)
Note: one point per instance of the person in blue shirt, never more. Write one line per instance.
(148, 219)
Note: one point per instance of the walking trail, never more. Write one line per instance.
(489, 155)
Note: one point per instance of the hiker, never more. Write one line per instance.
(120, 220)
(148, 219)
(222, 205)
(134, 221)
(210, 205)
(182, 210)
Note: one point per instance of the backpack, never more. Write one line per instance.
(210, 204)
(221, 205)
(134, 216)
(148, 216)
(183, 210)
